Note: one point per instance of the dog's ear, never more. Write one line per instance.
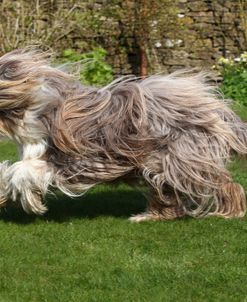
(7, 124)
(12, 113)
(20, 63)
(10, 70)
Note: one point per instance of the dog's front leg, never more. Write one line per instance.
(4, 188)
(26, 181)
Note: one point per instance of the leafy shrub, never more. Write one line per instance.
(94, 70)
(234, 74)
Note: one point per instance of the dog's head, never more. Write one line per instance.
(29, 85)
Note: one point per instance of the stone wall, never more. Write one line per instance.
(212, 29)
(203, 30)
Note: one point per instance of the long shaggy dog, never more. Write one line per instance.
(172, 131)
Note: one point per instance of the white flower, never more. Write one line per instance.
(244, 57)
(158, 44)
(179, 42)
(169, 43)
(225, 61)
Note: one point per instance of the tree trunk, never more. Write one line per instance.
(143, 38)
(143, 63)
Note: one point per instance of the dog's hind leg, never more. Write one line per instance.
(158, 209)
(231, 201)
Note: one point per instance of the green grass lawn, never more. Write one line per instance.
(85, 249)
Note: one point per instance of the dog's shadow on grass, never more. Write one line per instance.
(61, 208)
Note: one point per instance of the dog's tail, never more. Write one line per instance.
(198, 134)
(239, 129)
(231, 201)
(184, 99)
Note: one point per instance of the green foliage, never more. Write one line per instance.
(94, 70)
(235, 78)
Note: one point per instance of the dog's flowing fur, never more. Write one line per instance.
(173, 131)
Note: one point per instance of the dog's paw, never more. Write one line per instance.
(142, 217)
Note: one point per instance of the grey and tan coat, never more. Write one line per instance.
(173, 131)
